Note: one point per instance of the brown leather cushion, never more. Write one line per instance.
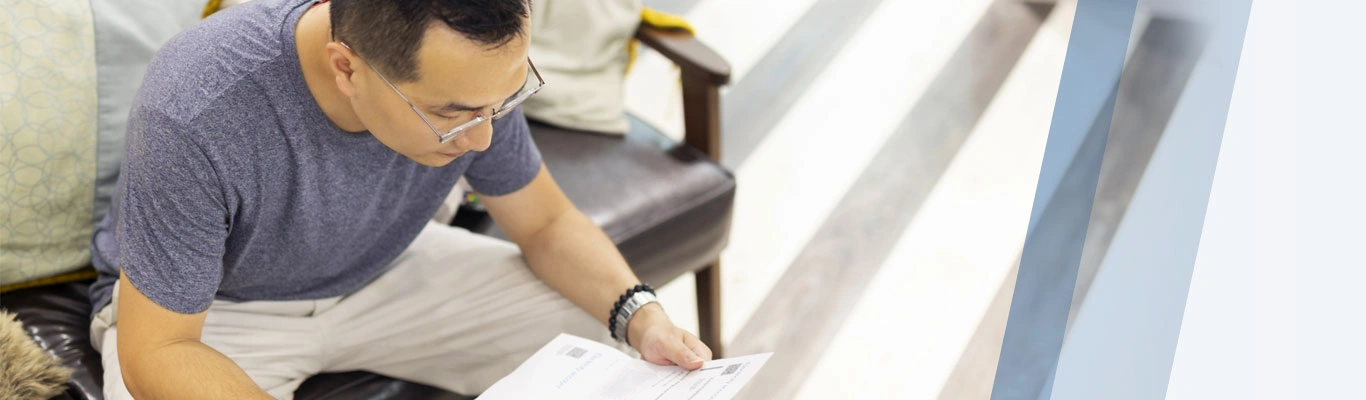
(367, 386)
(667, 208)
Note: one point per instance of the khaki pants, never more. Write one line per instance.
(457, 311)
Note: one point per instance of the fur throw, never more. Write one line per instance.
(26, 371)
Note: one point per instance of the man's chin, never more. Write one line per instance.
(434, 160)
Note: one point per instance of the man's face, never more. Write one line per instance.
(457, 80)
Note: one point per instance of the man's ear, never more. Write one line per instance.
(340, 60)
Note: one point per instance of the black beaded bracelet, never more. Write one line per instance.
(616, 306)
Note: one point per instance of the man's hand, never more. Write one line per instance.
(660, 342)
(573, 256)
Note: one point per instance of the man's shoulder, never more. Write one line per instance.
(197, 68)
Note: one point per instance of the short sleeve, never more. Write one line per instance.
(172, 219)
(511, 161)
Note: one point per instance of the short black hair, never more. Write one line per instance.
(389, 32)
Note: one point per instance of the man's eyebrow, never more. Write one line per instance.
(453, 107)
(457, 107)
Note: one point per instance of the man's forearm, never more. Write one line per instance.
(574, 257)
(186, 370)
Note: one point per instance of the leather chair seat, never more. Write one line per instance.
(666, 206)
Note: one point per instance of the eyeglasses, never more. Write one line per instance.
(508, 105)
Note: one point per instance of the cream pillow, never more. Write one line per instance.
(580, 48)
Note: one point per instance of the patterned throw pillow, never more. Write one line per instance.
(68, 73)
(48, 104)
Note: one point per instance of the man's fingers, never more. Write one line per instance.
(697, 346)
(680, 353)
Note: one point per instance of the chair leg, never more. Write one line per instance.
(709, 307)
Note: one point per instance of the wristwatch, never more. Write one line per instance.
(628, 309)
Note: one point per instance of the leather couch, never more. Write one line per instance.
(666, 205)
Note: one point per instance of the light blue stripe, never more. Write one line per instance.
(1122, 343)
(127, 34)
(1062, 204)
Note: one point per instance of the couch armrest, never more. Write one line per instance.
(685, 50)
(702, 72)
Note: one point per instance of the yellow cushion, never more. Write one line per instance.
(77, 275)
(656, 19)
(663, 20)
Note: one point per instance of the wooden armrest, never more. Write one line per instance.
(685, 50)
(702, 72)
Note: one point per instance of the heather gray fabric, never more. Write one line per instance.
(236, 187)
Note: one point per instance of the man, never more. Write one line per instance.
(271, 222)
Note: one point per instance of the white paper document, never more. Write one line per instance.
(571, 367)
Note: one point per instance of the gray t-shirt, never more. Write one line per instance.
(237, 187)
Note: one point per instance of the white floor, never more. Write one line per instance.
(950, 261)
(907, 333)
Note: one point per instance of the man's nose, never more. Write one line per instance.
(478, 138)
